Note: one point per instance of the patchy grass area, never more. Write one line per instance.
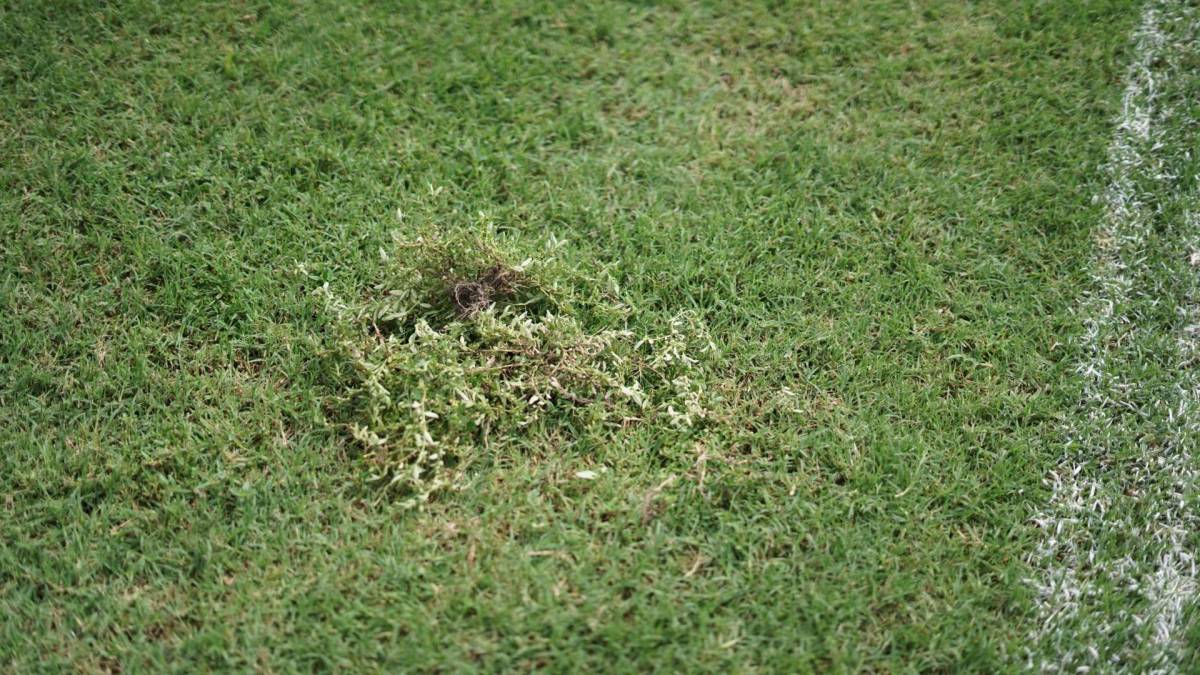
(224, 228)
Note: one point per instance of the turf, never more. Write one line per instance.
(879, 211)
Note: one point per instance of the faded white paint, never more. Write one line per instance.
(1090, 499)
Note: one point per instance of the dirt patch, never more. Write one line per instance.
(473, 296)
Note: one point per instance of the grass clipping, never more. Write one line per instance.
(462, 355)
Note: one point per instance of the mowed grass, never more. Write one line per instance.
(879, 210)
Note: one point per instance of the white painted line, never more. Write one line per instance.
(1097, 610)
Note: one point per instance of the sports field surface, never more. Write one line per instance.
(612, 336)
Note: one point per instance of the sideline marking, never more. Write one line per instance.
(1098, 496)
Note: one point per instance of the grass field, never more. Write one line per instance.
(790, 306)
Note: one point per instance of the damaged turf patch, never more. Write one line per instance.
(457, 361)
(472, 297)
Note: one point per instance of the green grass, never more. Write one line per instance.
(880, 212)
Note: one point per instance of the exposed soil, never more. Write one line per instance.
(475, 295)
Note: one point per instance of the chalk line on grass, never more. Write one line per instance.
(1115, 572)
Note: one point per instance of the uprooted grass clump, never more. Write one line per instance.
(461, 355)
(471, 296)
